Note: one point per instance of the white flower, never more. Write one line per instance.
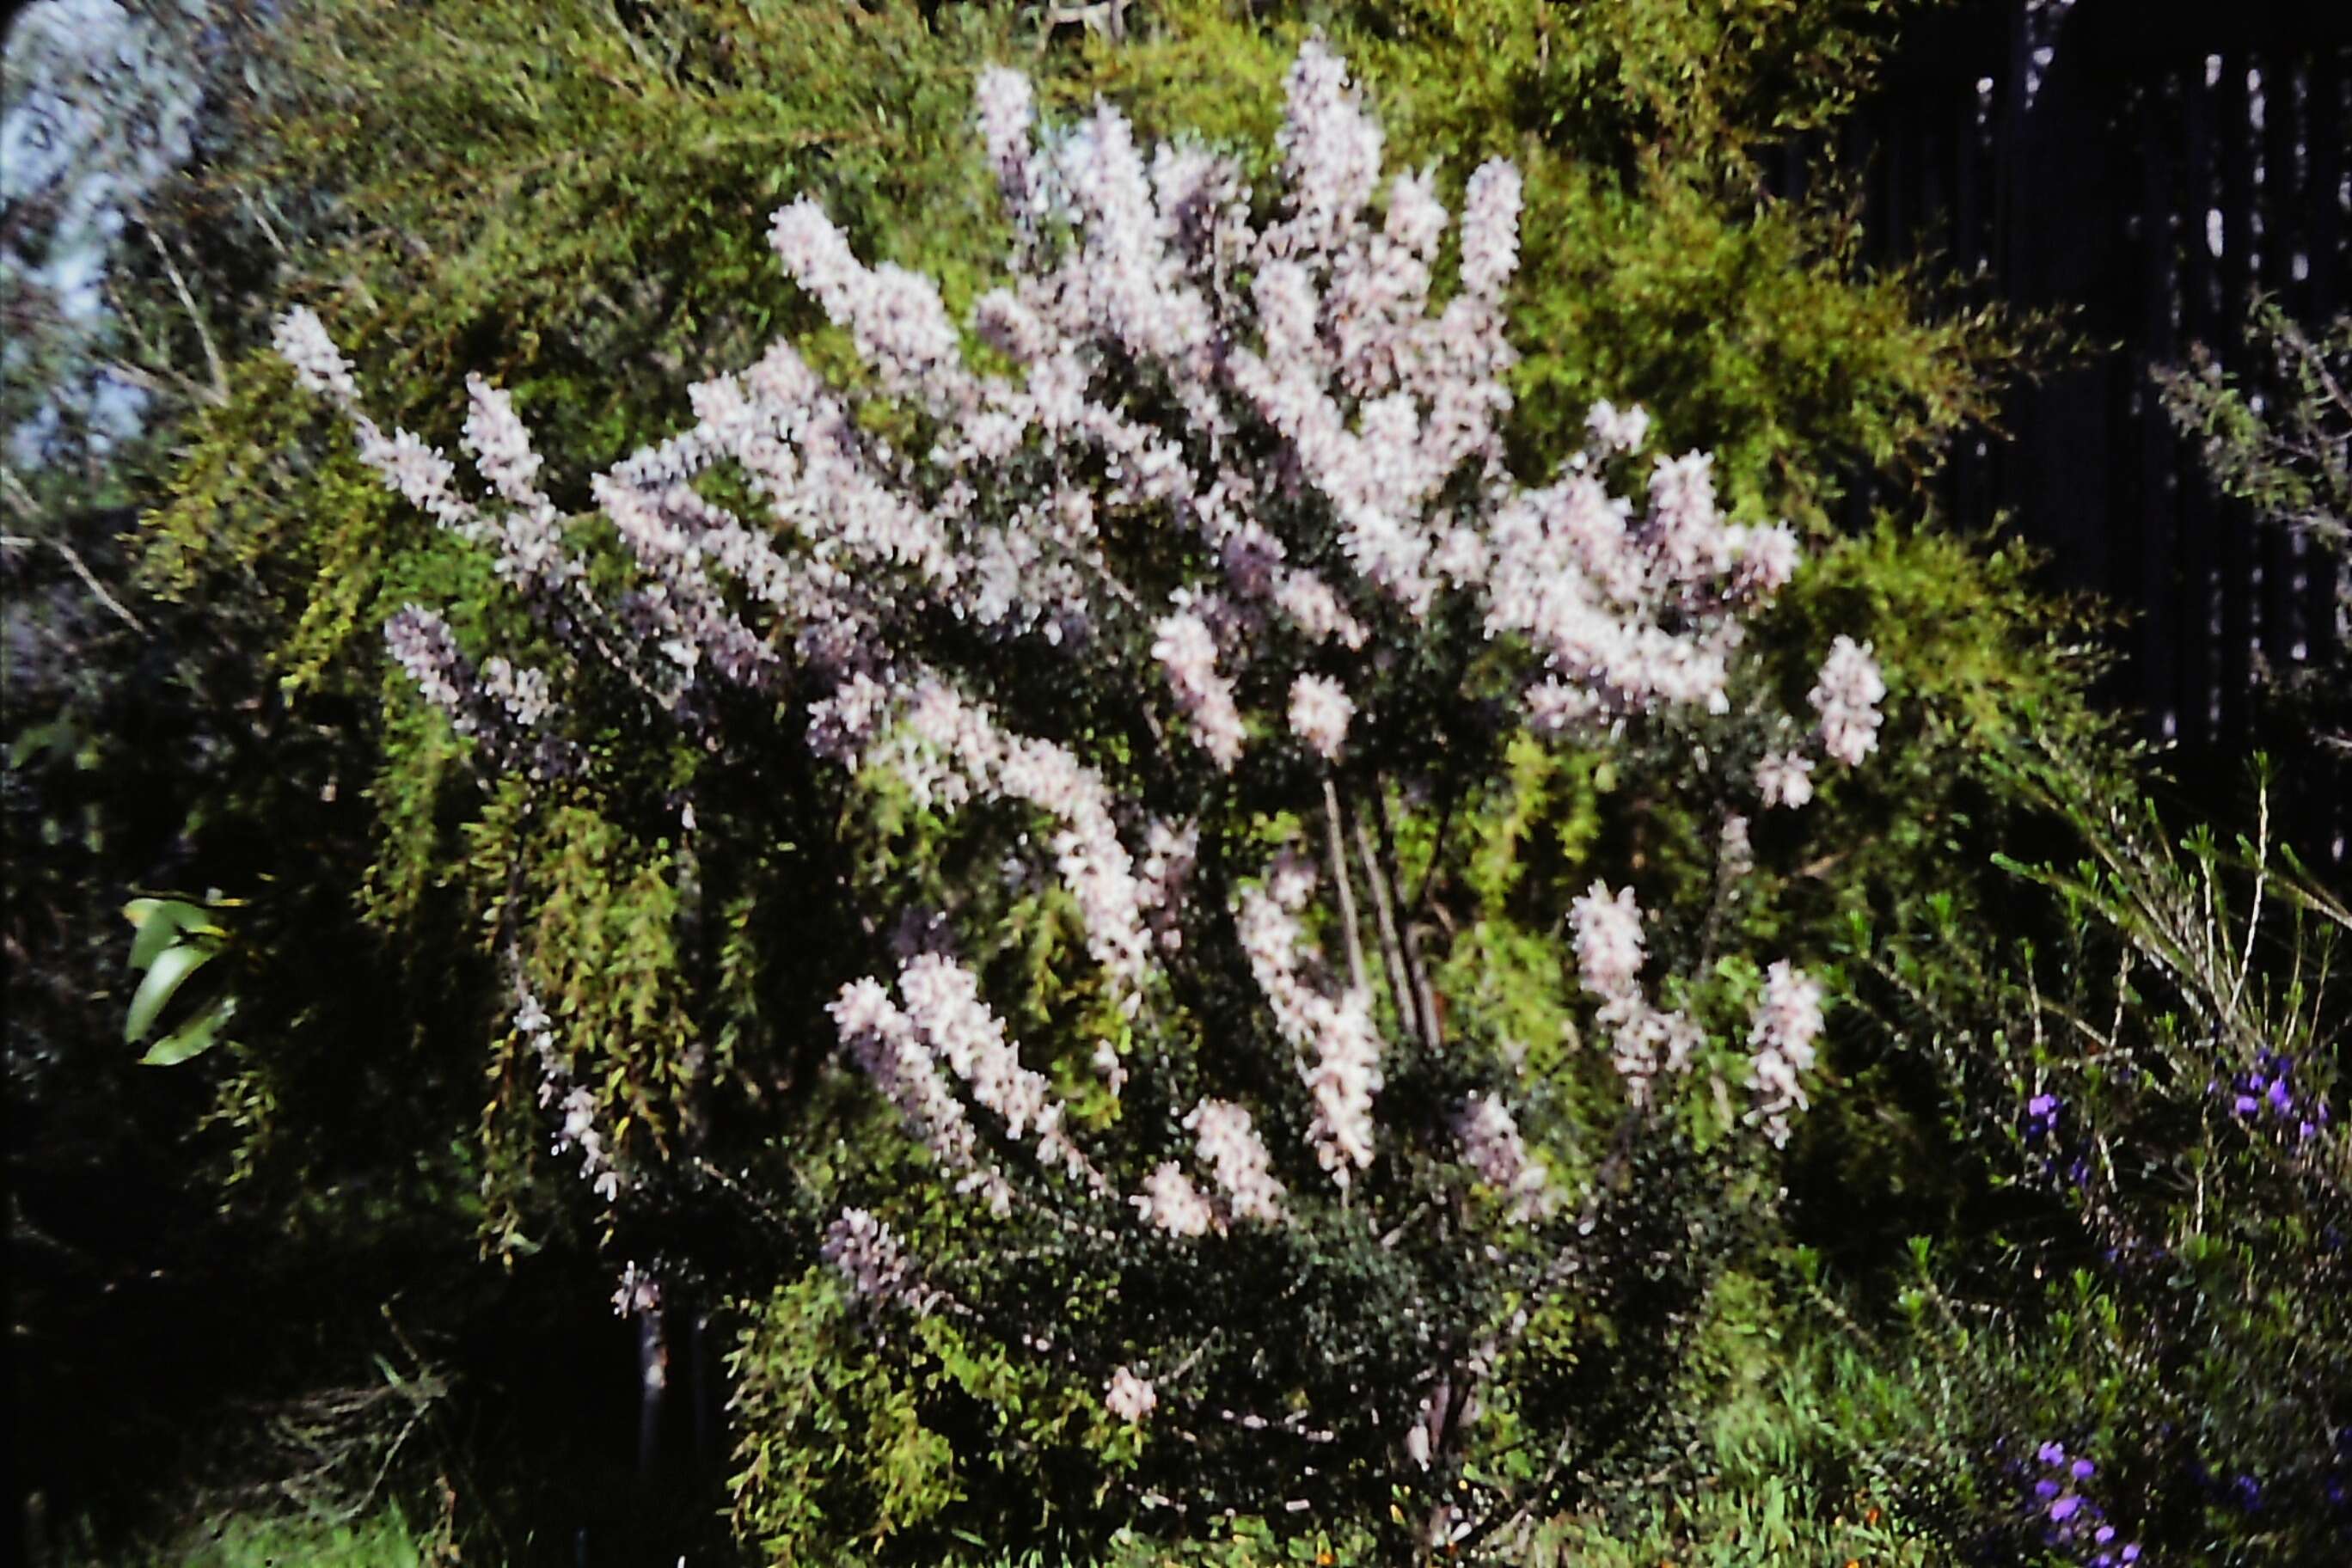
(1163, 881)
(1319, 713)
(640, 1292)
(1847, 698)
(1491, 1145)
(1343, 1078)
(1788, 1021)
(1006, 110)
(944, 1004)
(895, 316)
(501, 446)
(887, 1047)
(1129, 1397)
(1607, 939)
(1644, 1042)
(1340, 1049)
(301, 341)
(1187, 650)
(422, 645)
(1616, 430)
(1169, 1202)
(1490, 229)
(1229, 1145)
(1735, 849)
(1767, 559)
(1785, 778)
(1332, 152)
(865, 1252)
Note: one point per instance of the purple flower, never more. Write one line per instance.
(2063, 1509)
(2051, 1454)
(2084, 1469)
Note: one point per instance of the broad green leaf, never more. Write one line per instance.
(173, 967)
(193, 1038)
(159, 921)
(57, 734)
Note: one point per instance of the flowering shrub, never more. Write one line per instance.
(2161, 1096)
(2061, 1510)
(1161, 634)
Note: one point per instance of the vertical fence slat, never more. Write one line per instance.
(2280, 215)
(2196, 498)
(1970, 508)
(2239, 559)
(2327, 128)
(2159, 451)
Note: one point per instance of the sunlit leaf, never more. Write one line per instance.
(172, 968)
(193, 1038)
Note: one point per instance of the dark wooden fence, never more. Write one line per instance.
(2148, 167)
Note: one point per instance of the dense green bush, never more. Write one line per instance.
(570, 200)
(2157, 1283)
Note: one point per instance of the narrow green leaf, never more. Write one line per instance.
(192, 1039)
(173, 967)
(159, 921)
(54, 735)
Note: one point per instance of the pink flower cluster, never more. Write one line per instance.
(1319, 714)
(639, 1292)
(579, 1128)
(1227, 1143)
(1169, 1202)
(867, 1254)
(1187, 650)
(1788, 1021)
(1847, 698)
(1129, 1397)
(1339, 1048)
(1492, 1147)
(891, 1052)
(1643, 1039)
(948, 750)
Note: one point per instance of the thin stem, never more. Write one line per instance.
(195, 317)
(2262, 882)
(1436, 856)
(72, 557)
(1338, 852)
(1384, 921)
(1416, 967)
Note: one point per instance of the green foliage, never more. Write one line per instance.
(572, 199)
(2158, 1273)
(2281, 440)
(175, 938)
(835, 1445)
(386, 1540)
(2285, 455)
(913, 1451)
